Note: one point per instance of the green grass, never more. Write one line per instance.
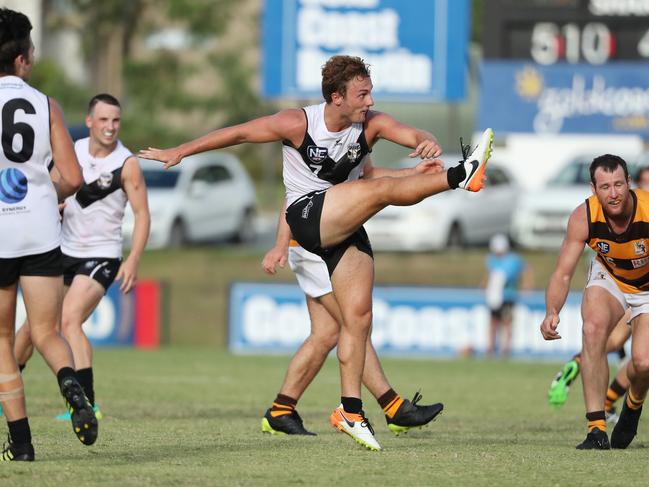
(191, 416)
(199, 279)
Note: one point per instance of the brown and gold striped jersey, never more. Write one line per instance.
(626, 255)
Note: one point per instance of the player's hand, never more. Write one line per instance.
(428, 149)
(127, 275)
(429, 166)
(276, 256)
(549, 327)
(170, 157)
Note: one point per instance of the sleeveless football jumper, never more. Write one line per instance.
(323, 159)
(92, 221)
(29, 215)
(625, 256)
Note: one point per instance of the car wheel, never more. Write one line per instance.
(177, 235)
(246, 229)
(455, 237)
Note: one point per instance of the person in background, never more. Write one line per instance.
(506, 271)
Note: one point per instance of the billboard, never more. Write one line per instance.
(417, 50)
(518, 96)
(132, 319)
(407, 321)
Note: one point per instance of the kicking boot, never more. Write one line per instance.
(82, 416)
(475, 162)
(355, 425)
(67, 417)
(595, 440)
(286, 424)
(412, 415)
(12, 452)
(558, 393)
(626, 427)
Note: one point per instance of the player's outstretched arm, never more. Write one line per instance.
(569, 255)
(383, 126)
(286, 124)
(67, 178)
(135, 188)
(278, 255)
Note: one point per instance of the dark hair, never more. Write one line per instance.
(338, 71)
(641, 171)
(15, 38)
(608, 163)
(105, 98)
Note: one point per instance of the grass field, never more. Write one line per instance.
(191, 416)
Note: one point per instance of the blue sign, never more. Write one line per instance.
(425, 321)
(111, 323)
(417, 50)
(563, 98)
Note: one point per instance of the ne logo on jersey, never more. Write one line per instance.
(603, 247)
(317, 154)
(639, 247)
(353, 151)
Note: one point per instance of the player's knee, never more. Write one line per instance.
(641, 364)
(594, 334)
(70, 325)
(327, 339)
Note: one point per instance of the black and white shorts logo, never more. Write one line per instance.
(317, 154)
(307, 209)
(603, 247)
(353, 151)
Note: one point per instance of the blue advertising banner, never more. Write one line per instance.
(423, 321)
(417, 50)
(608, 99)
(111, 324)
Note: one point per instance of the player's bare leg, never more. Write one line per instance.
(43, 297)
(600, 313)
(12, 396)
(638, 373)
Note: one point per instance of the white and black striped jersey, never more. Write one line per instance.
(324, 158)
(29, 217)
(92, 218)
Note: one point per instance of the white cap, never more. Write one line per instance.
(499, 244)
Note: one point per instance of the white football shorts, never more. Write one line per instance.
(310, 270)
(599, 276)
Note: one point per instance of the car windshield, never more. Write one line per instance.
(160, 179)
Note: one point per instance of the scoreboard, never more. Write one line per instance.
(572, 31)
(565, 67)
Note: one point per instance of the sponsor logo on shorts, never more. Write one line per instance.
(603, 247)
(639, 247)
(317, 154)
(600, 276)
(91, 264)
(307, 209)
(353, 151)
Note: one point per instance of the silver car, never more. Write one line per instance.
(206, 197)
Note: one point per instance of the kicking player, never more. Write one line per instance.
(324, 147)
(324, 312)
(613, 223)
(92, 234)
(33, 134)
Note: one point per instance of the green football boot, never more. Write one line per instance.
(558, 393)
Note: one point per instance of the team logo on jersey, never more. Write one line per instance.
(353, 151)
(105, 180)
(317, 154)
(639, 247)
(13, 185)
(603, 247)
